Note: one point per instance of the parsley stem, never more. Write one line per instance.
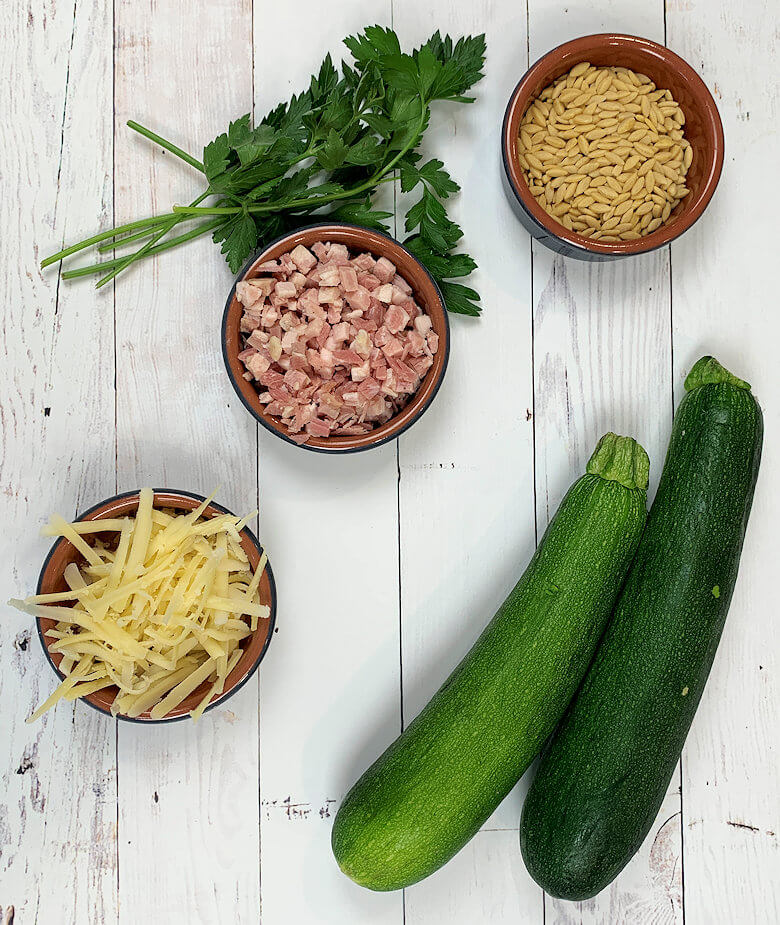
(201, 229)
(208, 210)
(104, 236)
(138, 236)
(310, 202)
(163, 143)
(143, 251)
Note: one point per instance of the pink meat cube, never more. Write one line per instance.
(308, 303)
(303, 258)
(249, 322)
(384, 293)
(338, 255)
(285, 290)
(347, 357)
(248, 294)
(318, 428)
(330, 276)
(384, 270)
(402, 284)
(349, 280)
(364, 262)
(329, 294)
(392, 347)
(295, 380)
(360, 299)
(423, 324)
(368, 281)
(258, 339)
(258, 365)
(395, 319)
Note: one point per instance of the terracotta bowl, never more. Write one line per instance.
(703, 129)
(63, 553)
(426, 294)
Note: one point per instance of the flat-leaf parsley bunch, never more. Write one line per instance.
(320, 157)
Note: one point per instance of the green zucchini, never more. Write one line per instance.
(429, 793)
(603, 776)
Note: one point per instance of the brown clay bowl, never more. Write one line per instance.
(703, 130)
(51, 580)
(426, 294)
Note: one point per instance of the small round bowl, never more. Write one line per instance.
(426, 294)
(703, 130)
(62, 553)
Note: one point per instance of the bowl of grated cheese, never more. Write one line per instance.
(152, 606)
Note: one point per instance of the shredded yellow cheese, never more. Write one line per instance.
(158, 615)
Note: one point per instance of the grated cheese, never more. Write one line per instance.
(158, 615)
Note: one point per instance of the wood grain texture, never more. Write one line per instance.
(188, 799)
(58, 790)
(725, 303)
(483, 883)
(208, 823)
(465, 470)
(330, 686)
(602, 360)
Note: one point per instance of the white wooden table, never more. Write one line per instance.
(388, 563)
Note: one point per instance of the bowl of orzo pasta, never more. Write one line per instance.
(612, 145)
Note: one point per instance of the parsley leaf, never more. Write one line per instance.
(333, 152)
(432, 174)
(360, 213)
(239, 238)
(460, 299)
(325, 152)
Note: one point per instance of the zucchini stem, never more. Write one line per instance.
(707, 371)
(622, 460)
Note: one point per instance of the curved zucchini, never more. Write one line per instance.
(429, 793)
(603, 776)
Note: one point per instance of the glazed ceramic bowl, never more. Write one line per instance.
(52, 580)
(426, 294)
(703, 130)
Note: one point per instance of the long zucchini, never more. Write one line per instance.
(602, 779)
(429, 793)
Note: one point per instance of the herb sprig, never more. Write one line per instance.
(320, 157)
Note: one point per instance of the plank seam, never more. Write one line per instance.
(116, 403)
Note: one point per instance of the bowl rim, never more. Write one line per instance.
(171, 492)
(577, 49)
(364, 441)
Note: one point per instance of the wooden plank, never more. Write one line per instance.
(466, 477)
(330, 686)
(466, 469)
(188, 799)
(602, 362)
(57, 856)
(725, 303)
(485, 882)
(466, 488)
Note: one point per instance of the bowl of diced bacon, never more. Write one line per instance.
(335, 338)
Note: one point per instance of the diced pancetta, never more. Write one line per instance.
(349, 280)
(337, 344)
(303, 258)
(396, 319)
(384, 270)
